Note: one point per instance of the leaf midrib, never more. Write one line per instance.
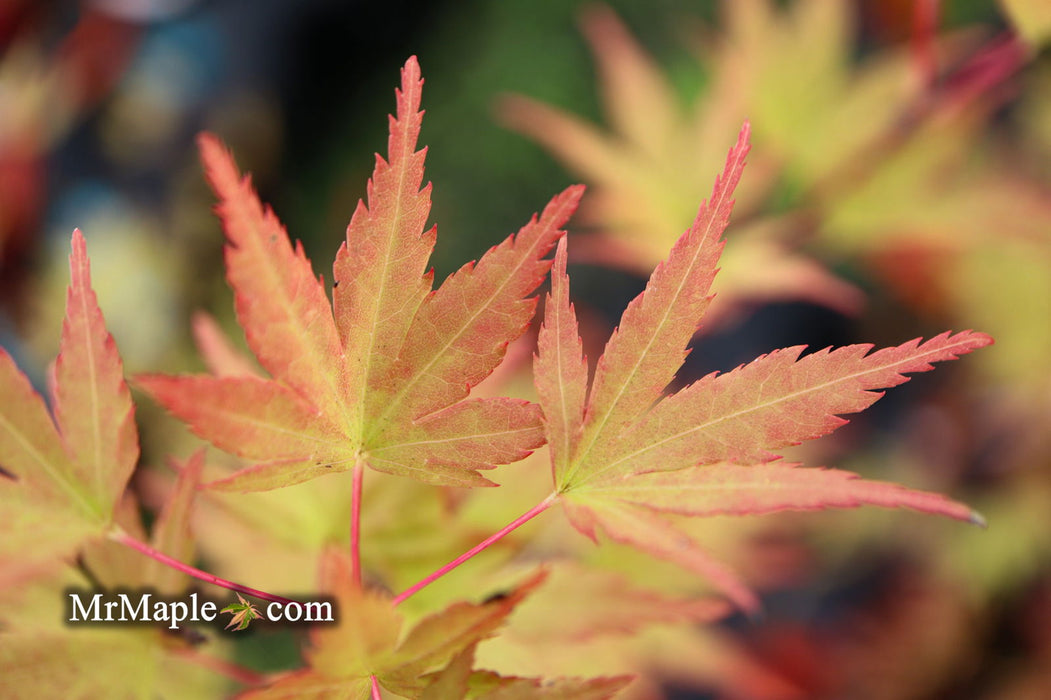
(457, 438)
(767, 404)
(506, 281)
(56, 476)
(599, 429)
(96, 403)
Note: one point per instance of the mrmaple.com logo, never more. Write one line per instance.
(146, 607)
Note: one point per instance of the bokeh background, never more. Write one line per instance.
(899, 185)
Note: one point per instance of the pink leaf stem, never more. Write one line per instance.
(129, 541)
(355, 523)
(480, 547)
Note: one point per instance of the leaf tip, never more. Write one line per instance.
(219, 164)
(561, 256)
(983, 339)
(411, 82)
(78, 241)
(79, 265)
(411, 69)
(211, 148)
(745, 599)
(206, 140)
(745, 135)
(574, 193)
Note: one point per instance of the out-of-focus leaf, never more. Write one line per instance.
(63, 478)
(648, 172)
(1031, 19)
(367, 641)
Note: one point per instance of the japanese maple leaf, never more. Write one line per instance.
(45, 657)
(646, 168)
(242, 613)
(63, 474)
(381, 376)
(369, 643)
(460, 680)
(588, 602)
(624, 455)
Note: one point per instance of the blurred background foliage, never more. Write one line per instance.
(899, 185)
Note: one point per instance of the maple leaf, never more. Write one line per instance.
(368, 641)
(242, 613)
(589, 602)
(44, 656)
(624, 455)
(218, 353)
(381, 376)
(171, 531)
(113, 564)
(646, 169)
(459, 680)
(63, 475)
(47, 659)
